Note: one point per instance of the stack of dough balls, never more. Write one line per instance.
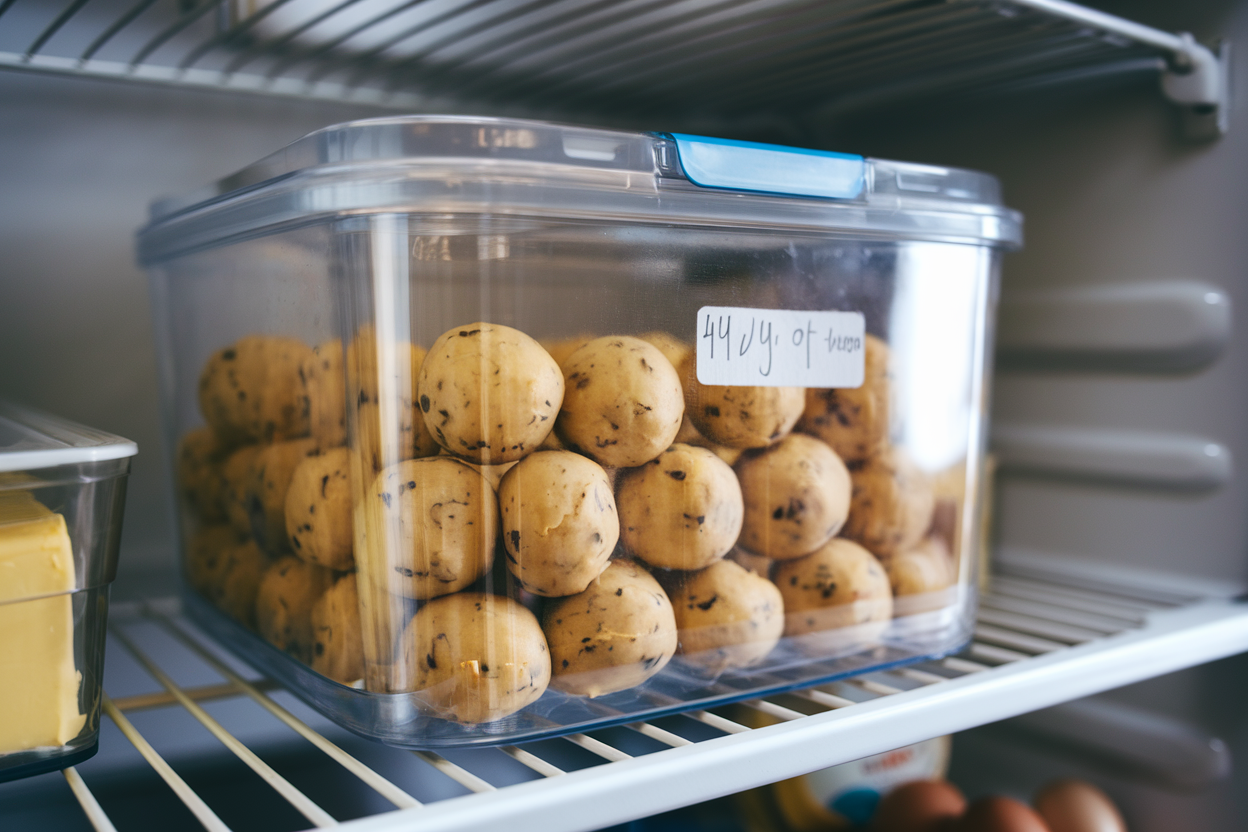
(268, 485)
(639, 513)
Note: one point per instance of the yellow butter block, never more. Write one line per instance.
(38, 681)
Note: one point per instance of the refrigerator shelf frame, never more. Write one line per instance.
(725, 62)
(1039, 642)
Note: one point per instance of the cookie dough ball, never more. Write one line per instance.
(840, 585)
(615, 635)
(272, 471)
(325, 388)
(438, 519)
(253, 390)
(559, 522)
(623, 404)
(239, 474)
(489, 393)
(892, 504)
(739, 417)
(673, 349)
(478, 657)
(676, 351)
(552, 442)
(201, 483)
(854, 422)
(318, 510)
(728, 616)
(387, 369)
(242, 566)
(337, 643)
(389, 425)
(494, 473)
(288, 589)
(925, 568)
(797, 496)
(205, 561)
(729, 455)
(403, 436)
(682, 510)
(689, 435)
(757, 564)
(560, 350)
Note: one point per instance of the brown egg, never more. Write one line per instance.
(1076, 806)
(1000, 814)
(921, 806)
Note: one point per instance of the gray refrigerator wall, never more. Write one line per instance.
(1113, 197)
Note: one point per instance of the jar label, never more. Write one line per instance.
(742, 347)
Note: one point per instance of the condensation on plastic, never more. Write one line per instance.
(90, 496)
(383, 233)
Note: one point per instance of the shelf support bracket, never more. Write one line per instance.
(1198, 80)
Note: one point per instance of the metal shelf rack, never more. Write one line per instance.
(1037, 643)
(720, 61)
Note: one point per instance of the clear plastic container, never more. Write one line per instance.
(625, 423)
(62, 492)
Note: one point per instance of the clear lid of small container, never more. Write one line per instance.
(31, 440)
(469, 165)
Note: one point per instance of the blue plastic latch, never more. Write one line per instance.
(769, 168)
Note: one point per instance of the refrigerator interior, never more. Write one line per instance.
(1117, 416)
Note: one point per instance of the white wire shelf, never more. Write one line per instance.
(1037, 643)
(616, 59)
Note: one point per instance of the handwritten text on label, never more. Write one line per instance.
(743, 347)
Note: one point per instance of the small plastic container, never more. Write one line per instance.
(62, 492)
(624, 423)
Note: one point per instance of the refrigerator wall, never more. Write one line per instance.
(1114, 198)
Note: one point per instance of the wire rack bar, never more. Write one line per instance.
(1109, 23)
(55, 26)
(923, 677)
(207, 818)
(118, 25)
(302, 803)
(378, 783)
(1022, 642)
(190, 16)
(248, 84)
(644, 57)
(822, 697)
(262, 45)
(718, 722)
(844, 720)
(1135, 610)
(878, 688)
(1102, 624)
(527, 758)
(230, 34)
(771, 709)
(327, 48)
(163, 699)
(959, 665)
(1017, 596)
(459, 774)
(1041, 626)
(607, 752)
(90, 806)
(656, 733)
(1000, 655)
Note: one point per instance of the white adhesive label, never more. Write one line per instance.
(743, 347)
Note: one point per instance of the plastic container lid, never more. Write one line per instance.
(508, 167)
(31, 440)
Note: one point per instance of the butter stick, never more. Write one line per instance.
(38, 681)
